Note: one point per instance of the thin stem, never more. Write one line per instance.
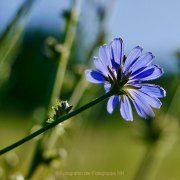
(11, 35)
(144, 171)
(49, 126)
(63, 61)
(173, 96)
(12, 46)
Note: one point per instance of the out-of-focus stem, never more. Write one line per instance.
(12, 33)
(156, 151)
(14, 42)
(76, 96)
(63, 61)
(24, 9)
(145, 167)
(173, 97)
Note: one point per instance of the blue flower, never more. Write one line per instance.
(127, 77)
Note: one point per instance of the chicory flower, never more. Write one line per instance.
(127, 77)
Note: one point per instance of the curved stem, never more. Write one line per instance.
(49, 126)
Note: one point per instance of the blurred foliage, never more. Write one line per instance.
(10, 40)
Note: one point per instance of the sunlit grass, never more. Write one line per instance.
(108, 147)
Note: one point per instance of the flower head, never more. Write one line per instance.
(126, 77)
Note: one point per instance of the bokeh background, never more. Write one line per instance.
(32, 34)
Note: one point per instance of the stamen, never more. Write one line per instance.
(122, 97)
(112, 74)
(119, 73)
(124, 59)
(132, 87)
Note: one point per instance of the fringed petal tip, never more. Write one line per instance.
(118, 39)
(117, 51)
(160, 69)
(152, 89)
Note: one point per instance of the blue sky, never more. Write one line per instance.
(154, 24)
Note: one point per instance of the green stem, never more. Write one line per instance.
(63, 61)
(146, 166)
(11, 35)
(49, 126)
(12, 46)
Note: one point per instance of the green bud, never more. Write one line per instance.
(60, 109)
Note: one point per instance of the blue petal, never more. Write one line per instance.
(153, 90)
(104, 55)
(94, 76)
(142, 61)
(143, 111)
(112, 102)
(149, 73)
(100, 66)
(125, 109)
(141, 106)
(132, 57)
(138, 71)
(117, 51)
(107, 87)
(152, 101)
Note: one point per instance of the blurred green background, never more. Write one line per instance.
(32, 35)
